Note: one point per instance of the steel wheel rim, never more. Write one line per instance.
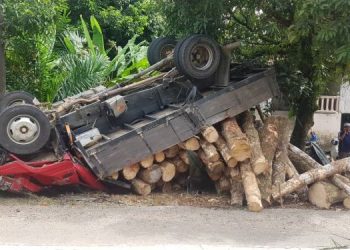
(23, 129)
(201, 56)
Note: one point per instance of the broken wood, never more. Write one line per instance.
(251, 188)
(210, 134)
(258, 161)
(324, 194)
(168, 171)
(140, 187)
(151, 175)
(230, 161)
(236, 141)
(147, 162)
(310, 177)
(131, 171)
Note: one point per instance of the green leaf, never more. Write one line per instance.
(87, 35)
(97, 35)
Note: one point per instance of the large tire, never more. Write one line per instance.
(159, 49)
(24, 129)
(15, 98)
(197, 57)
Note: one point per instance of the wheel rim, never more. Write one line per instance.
(23, 129)
(201, 56)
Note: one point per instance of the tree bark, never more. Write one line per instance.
(210, 134)
(181, 166)
(323, 194)
(210, 151)
(140, 187)
(341, 182)
(184, 156)
(310, 177)
(236, 193)
(223, 185)
(258, 160)
(150, 175)
(230, 161)
(236, 141)
(131, 171)
(251, 188)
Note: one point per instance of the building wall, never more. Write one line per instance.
(326, 126)
(344, 100)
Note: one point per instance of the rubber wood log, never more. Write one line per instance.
(184, 156)
(190, 144)
(258, 161)
(214, 176)
(223, 185)
(210, 151)
(236, 141)
(210, 134)
(311, 176)
(168, 171)
(324, 194)
(150, 175)
(251, 189)
(115, 175)
(215, 168)
(230, 161)
(181, 166)
(147, 162)
(159, 157)
(346, 203)
(236, 193)
(268, 140)
(164, 187)
(131, 171)
(233, 173)
(304, 163)
(140, 187)
(172, 151)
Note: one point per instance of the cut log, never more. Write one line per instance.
(233, 174)
(209, 150)
(184, 156)
(214, 176)
(304, 163)
(251, 189)
(150, 175)
(140, 187)
(181, 166)
(159, 157)
(115, 175)
(236, 141)
(147, 162)
(279, 169)
(230, 161)
(268, 140)
(164, 187)
(258, 161)
(223, 185)
(190, 144)
(236, 193)
(215, 168)
(172, 151)
(311, 176)
(323, 194)
(168, 171)
(131, 171)
(346, 203)
(210, 134)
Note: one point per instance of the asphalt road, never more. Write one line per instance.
(177, 227)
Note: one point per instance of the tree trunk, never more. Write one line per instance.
(151, 175)
(159, 157)
(251, 188)
(341, 182)
(184, 156)
(346, 203)
(323, 194)
(147, 162)
(140, 187)
(258, 160)
(214, 168)
(236, 141)
(181, 166)
(131, 171)
(190, 144)
(210, 134)
(236, 193)
(172, 151)
(233, 173)
(2, 53)
(223, 185)
(168, 171)
(310, 177)
(225, 152)
(210, 151)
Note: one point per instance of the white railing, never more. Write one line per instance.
(328, 104)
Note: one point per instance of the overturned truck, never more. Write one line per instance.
(91, 136)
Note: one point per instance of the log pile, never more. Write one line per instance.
(256, 167)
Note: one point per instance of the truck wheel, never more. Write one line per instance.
(197, 57)
(159, 49)
(24, 129)
(15, 98)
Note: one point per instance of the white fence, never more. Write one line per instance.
(328, 104)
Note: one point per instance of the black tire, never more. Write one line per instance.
(201, 46)
(14, 98)
(28, 118)
(159, 49)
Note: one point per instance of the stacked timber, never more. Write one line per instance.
(258, 168)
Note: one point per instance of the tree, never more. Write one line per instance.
(2, 53)
(308, 41)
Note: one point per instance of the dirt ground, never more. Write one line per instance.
(162, 220)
